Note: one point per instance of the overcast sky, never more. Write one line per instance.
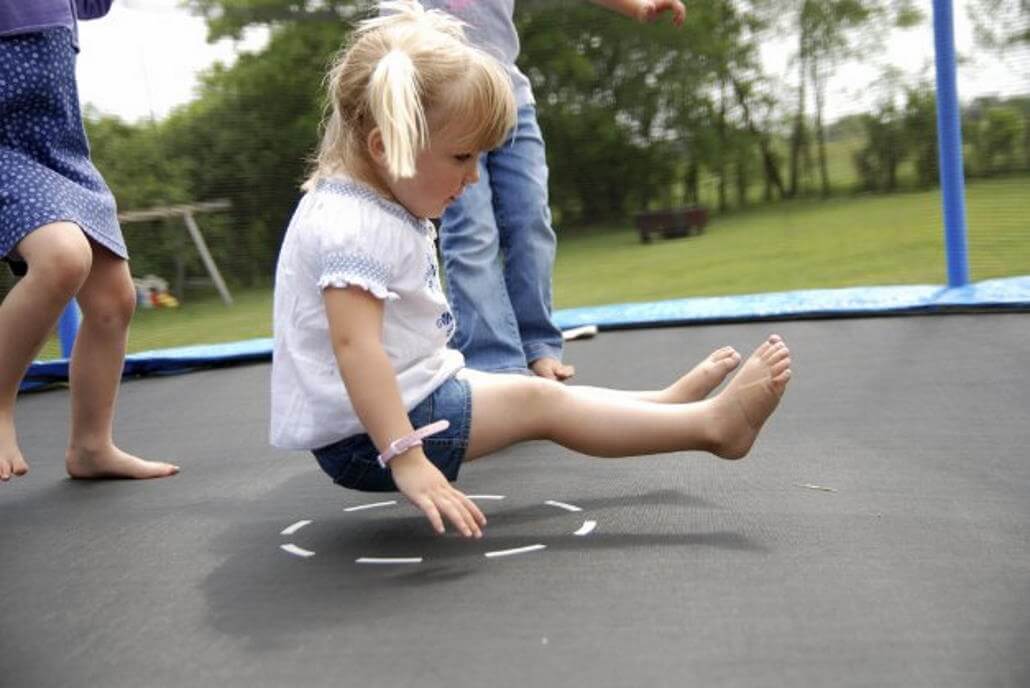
(142, 60)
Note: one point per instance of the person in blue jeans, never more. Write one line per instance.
(497, 242)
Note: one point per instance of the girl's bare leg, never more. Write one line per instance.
(59, 257)
(697, 384)
(108, 300)
(509, 408)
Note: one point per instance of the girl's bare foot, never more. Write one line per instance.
(12, 463)
(112, 462)
(552, 369)
(750, 398)
(703, 378)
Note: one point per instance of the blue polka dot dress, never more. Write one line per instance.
(45, 171)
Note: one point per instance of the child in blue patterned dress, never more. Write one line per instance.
(59, 228)
(361, 373)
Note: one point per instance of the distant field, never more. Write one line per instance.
(847, 241)
(843, 242)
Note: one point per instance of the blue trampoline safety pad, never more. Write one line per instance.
(1006, 293)
(160, 361)
(1013, 292)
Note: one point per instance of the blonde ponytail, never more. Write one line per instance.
(396, 107)
(401, 71)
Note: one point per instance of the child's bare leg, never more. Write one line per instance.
(508, 409)
(108, 300)
(59, 259)
(697, 384)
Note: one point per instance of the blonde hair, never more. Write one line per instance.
(398, 71)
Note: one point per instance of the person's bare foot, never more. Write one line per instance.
(750, 398)
(703, 378)
(12, 463)
(552, 369)
(113, 463)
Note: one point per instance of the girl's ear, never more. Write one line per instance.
(376, 148)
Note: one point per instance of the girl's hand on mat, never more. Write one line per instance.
(427, 488)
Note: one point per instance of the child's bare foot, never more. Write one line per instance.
(750, 398)
(552, 369)
(703, 378)
(114, 463)
(12, 463)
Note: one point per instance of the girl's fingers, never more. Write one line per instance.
(473, 509)
(433, 514)
(447, 510)
(471, 514)
(458, 517)
(448, 504)
(467, 516)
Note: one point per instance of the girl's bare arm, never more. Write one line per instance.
(355, 326)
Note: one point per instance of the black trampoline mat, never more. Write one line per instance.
(877, 535)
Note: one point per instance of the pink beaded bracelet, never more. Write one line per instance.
(413, 439)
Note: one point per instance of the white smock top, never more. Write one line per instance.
(345, 234)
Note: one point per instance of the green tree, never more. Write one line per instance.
(248, 136)
(1001, 25)
(920, 133)
(1000, 138)
(829, 32)
(231, 18)
(135, 162)
(617, 103)
(137, 166)
(878, 161)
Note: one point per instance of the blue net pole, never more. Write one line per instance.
(68, 327)
(949, 145)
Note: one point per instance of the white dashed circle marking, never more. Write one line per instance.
(297, 551)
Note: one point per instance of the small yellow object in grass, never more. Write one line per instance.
(810, 486)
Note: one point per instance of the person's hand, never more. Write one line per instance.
(552, 369)
(427, 488)
(650, 10)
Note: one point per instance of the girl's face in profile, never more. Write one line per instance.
(442, 171)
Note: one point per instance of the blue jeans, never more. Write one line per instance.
(498, 251)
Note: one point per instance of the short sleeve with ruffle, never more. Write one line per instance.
(358, 244)
(356, 268)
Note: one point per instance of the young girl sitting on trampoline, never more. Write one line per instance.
(362, 375)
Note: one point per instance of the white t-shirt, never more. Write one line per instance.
(345, 234)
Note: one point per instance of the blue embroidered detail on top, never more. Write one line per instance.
(352, 189)
(355, 268)
(432, 282)
(446, 323)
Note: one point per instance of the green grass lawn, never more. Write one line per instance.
(808, 244)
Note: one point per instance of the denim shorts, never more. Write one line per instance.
(351, 462)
